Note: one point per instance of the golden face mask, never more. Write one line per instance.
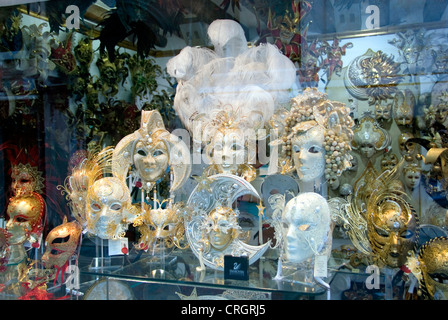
(221, 227)
(161, 225)
(433, 259)
(26, 179)
(392, 230)
(61, 242)
(26, 214)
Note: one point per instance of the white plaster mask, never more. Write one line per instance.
(307, 226)
(309, 154)
(109, 208)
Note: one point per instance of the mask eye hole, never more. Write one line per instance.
(141, 152)
(55, 252)
(95, 206)
(115, 206)
(61, 240)
(20, 219)
(314, 149)
(295, 148)
(157, 153)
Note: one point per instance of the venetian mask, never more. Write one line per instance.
(392, 230)
(383, 112)
(161, 226)
(149, 151)
(405, 149)
(334, 183)
(228, 150)
(411, 176)
(369, 137)
(61, 242)
(109, 208)
(221, 227)
(307, 219)
(441, 113)
(433, 259)
(308, 154)
(389, 161)
(26, 214)
(315, 136)
(404, 103)
(26, 179)
(151, 160)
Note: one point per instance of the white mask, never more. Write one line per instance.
(307, 219)
(109, 208)
(308, 154)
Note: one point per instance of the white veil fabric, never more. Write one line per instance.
(247, 83)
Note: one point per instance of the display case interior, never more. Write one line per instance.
(237, 149)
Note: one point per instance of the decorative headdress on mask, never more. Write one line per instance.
(433, 258)
(152, 132)
(369, 134)
(162, 224)
(313, 109)
(109, 209)
(234, 88)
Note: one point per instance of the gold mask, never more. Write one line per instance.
(433, 259)
(221, 227)
(161, 225)
(62, 242)
(392, 229)
(26, 215)
(109, 208)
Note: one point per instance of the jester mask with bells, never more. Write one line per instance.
(61, 244)
(109, 209)
(314, 136)
(148, 152)
(26, 218)
(162, 226)
(433, 262)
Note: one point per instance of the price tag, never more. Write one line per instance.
(320, 266)
(118, 247)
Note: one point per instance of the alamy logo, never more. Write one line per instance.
(373, 21)
(373, 281)
(72, 21)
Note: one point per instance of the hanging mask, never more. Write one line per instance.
(392, 229)
(433, 259)
(388, 162)
(161, 225)
(383, 112)
(404, 103)
(26, 179)
(369, 137)
(61, 242)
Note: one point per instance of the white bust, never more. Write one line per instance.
(308, 221)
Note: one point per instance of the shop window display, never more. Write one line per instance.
(155, 140)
